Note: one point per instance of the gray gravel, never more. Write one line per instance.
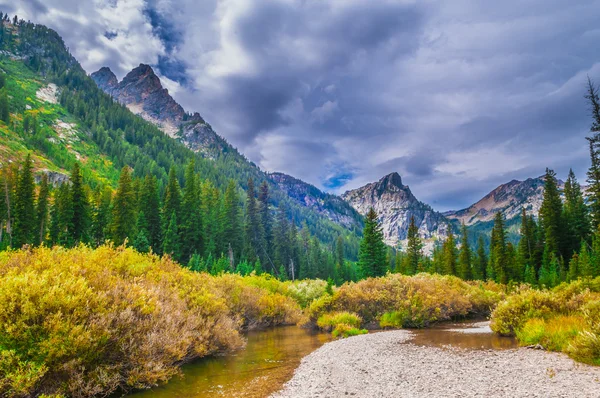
(386, 364)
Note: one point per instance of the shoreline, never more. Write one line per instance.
(386, 364)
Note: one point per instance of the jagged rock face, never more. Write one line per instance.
(508, 198)
(395, 205)
(105, 79)
(331, 206)
(142, 92)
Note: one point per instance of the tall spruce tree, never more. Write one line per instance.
(149, 205)
(481, 261)
(465, 256)
(498, 269)
(372, 252)
(593, 175)
(450, 254)
(413, 249)
(41, 211)
(101, 215)
(24, 228)
(190, 225)
(124, 206)
(253, 227)
(575, 215)
(551, 217)
(81, 208)
(172, 199)
(232, 230)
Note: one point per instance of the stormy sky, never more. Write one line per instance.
(457, 96)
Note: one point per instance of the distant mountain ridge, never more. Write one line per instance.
(507, 198)
(395, 204)
(331, 206)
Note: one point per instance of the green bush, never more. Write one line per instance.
(344, 330)
(329, 321)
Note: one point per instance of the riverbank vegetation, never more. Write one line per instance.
(566, 319)
(84, 322)
(396, 301)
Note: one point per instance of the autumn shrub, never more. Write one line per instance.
(553, 334)
(307, 291)
(408, 301)
(85, 322)
(566, 318)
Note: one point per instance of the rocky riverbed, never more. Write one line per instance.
(388, 364)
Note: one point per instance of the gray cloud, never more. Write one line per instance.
(456, 96)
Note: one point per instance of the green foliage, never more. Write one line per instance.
(343, 330)
(372, 252)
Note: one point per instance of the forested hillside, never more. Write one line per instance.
(57, 125)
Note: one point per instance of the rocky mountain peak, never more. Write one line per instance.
(105, 79)
(396, 205)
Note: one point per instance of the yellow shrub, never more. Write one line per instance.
(87, 322)
(329, 321)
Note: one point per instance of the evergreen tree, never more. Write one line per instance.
(4, 109)
(549, 272)
(371, 257)
(149, 205)
(551, 218)
(586, 269)
(101, 215)
(526, 247)
(265, 215)
(498, 262)
(450, 254)
(123, 213)
(80, 204)
(190, 226)
(593, 175)
(24, 228)
(253, 227)
(141, 242)
(575, 214)
(280, 237)
(232, 231)
(414, 248)
(41, 211)
(172, 201)
(465, 257)
(481, 261)
(171, 242)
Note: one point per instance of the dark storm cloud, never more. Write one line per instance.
(456, 96)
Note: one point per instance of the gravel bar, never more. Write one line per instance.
(387, 364)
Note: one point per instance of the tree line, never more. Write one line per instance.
(561, 244)
(199, 225)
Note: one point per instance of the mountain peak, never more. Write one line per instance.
(392, 179)
(105, 78)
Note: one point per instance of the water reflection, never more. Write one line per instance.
(468, 335)
(262, 367)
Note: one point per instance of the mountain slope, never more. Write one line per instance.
(76, 121)
(395, 204)
(143, 94)
(331, 206)
(508, 199)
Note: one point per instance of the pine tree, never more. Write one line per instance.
(525, 247)
(41, 211)
(172, 200)
(280, 237)
(190, 226)
(371, 255)
(585, 263)
(171, 242)
(265, 216)
(549, 272)
(450, 254)
(101, 216)
(574, 270)
(141, 242)
(498, 256)
(253, 231)
(123, 213)
(551, 220)
(465, 257)
(149, 204)
(414, 248)
(232, 231)
(81, 209)
(575, 214)
(4, 109)
(593, 191)
(24, 228)
(481, 261)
